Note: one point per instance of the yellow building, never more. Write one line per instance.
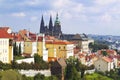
(6, 47)
(36, 45)
(59, 48)
(28, 47)
(32, 47)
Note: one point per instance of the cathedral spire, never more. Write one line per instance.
(42, 29)
(50, 24)
(57, 19)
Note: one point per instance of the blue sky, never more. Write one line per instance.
(76, 16)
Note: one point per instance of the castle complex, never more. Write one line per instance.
(52, 30)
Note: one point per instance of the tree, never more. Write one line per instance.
(39, 77)
(71, 73)
(38, 59)
(52, 78)
(104, 53)
(15, 49)
(39, 63)
(82, 70)
(19, 53)
(97, 46)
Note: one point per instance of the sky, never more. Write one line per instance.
(76, 16)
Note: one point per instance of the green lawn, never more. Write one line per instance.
(10, 75)
(96, 76)
(18, 57)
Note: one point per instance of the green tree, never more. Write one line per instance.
(104, 53)
(82, 70)
(24, 77)
(19, 53)
(39, 77)
(52, 78)
(71, 73)
(39, 63)
(15, 49)
(97, 46)
(14, 65)
(38, 59)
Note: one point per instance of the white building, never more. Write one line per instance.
(6, 48)
(70, 50)
(104, 64)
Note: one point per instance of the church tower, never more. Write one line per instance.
(57, 28)
(50, 26)
(42, 27)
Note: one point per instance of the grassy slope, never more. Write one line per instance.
(10, 75)
(96, 76)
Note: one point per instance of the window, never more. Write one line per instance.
(37, 49)
(59, 47)
(64, 47)
(27, 45)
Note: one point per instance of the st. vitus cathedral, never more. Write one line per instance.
(52, 30)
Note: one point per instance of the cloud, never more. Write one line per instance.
(20, 14)
(68, 8)
(105, 2)
(33, 2)
(34, 18)
(77, 13)
(106, 18)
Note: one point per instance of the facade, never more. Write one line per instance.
(111, 54)
(52, 30)
(104, 64)
(59, 48)
(81, 40)
(36, 46)
(6, 47)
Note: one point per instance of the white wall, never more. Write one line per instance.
(32, 73)
(27, 60)
(101, 65)
(70, 50)
(22, 45)
(4, 50)
(34, 48)
(85, 47)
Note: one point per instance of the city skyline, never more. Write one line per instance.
(76, 16)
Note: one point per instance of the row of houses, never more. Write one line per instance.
(48, 47)
(52, 49)
(101, 62)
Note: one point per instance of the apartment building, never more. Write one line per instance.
(6, 47)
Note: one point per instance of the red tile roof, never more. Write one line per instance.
(107, 59)
(58, 42)
(4, 34)
(109, 51)
(4, 28)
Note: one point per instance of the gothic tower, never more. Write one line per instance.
(50, 26)
(42, 29)
(57, 28)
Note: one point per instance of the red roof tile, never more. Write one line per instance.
(107, 59)
(4, 34)
(58, 42)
